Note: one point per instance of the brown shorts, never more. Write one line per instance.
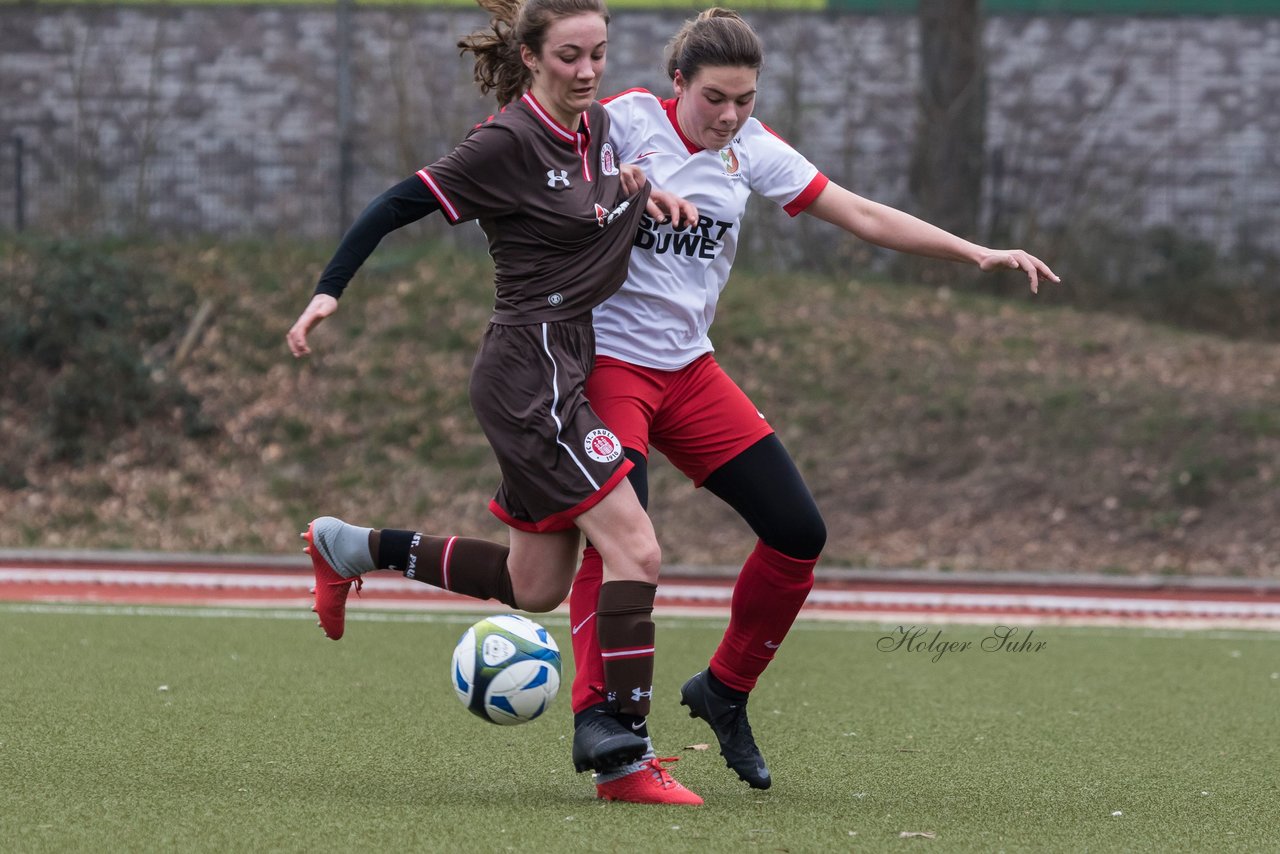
(556, 455)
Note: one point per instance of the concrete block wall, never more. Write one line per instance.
(223, 119)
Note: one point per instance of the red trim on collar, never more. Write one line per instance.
(580, 140)
(568, 136)
(670, 106)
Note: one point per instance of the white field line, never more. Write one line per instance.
(1226, 629)
(688, 595)
(162, 578)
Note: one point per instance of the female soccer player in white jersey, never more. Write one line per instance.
(542, 180)
(656, 382)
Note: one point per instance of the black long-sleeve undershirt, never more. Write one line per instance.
(406, 202)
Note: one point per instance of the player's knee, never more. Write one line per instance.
(802, 537)
(542, 597)
(813, 536)
(649, 561)
(540, 601)
(637, 561)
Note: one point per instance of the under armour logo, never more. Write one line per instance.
(637, 695)
(557, 178)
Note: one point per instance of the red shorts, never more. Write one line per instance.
(696, 416)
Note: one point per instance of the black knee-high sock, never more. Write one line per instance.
(476, 568)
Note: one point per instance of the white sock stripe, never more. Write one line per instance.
(444, 563)
(627, 653)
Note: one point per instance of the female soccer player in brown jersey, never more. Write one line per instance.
(543, 182)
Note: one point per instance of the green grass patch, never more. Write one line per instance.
(146, 729)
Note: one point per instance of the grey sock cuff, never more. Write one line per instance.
(344, 547)
(618, 773)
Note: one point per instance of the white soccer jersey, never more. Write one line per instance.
(661, 315)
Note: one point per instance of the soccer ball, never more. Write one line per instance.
(506, 669)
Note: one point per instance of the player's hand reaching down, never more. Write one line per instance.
(320, 307)
(663, 207)
(1000, 259)
(666, 208)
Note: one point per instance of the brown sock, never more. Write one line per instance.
(624, 624)
(476, 568)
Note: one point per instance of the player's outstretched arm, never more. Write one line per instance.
(406, 202)
(894, 229)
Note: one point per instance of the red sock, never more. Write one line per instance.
(588, 676)
(768, 595)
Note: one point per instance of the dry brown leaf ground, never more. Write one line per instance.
(936, 429)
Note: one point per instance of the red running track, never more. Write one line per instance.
(193, 580)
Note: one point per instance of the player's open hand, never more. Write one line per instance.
(663, 207)
(320, 307)
(666, 208)
(1001, 259)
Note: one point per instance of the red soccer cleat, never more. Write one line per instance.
(330, 589)
(652, 784)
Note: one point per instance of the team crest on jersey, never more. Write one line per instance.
(602, 446)
(608, 161)
(604, 216)
(730, 161)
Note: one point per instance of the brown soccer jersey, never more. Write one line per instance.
(550, 201)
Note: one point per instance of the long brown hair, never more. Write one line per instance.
(718, 37)
(499, 68)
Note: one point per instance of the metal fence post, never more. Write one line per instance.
(345, 22)
(19, 185)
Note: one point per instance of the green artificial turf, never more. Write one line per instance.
(150, 729)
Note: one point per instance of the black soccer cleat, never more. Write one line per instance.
(728, 719)
(601, 742)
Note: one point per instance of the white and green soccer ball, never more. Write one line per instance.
(506, 669)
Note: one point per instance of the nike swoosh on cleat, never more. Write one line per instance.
(772, 645)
